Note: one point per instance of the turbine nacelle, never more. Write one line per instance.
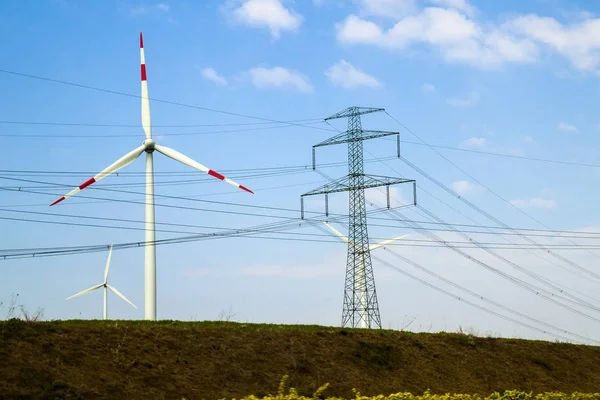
(149, 145)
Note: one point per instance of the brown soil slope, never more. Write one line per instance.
(172, 360)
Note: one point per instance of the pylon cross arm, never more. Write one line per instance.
(354, 136)
(354, 112)
(343, 184)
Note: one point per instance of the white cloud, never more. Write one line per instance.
(451, 28)
(458, 38)
(387, 8)
(428, 88)
(163, 7)
(357, 30)
(269, 14)
(463, 187)
(318, 3)
(211, 74)
(567, 128)
(475, 142)
(460, 5)
(578, 43)
(347, 76)
(528, 139)
(279, 77)
(536, 202)
(471, 100)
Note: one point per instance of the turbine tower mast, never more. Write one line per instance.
(360, 307)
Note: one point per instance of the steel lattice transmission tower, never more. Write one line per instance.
(360, 307)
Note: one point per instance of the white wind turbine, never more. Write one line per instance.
(361, 270)
(148, 146)
(106, 286)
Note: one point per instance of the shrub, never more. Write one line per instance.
(292, 394)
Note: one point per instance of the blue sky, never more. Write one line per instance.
(508, 77)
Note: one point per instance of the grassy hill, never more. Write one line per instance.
(212, 360)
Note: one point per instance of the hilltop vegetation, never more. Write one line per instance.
(213, 360)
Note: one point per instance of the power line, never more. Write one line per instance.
(488, 248)
(440, 221)
(61, 135)
(492, 218)
(529, 250)
(183, 173)
(441, 185)
(462, 214)
(193, 196)
(499, 245)
(156, 195)
(512, 264)
(157, 204)
(137, 126)
(153, 99)
(464, 289)
(178, 182)
(457, 244)
(489, 228)
(545, 294)
(487, 310)
(572, 234)
(306, 122)
(490, 153)
(63, 251)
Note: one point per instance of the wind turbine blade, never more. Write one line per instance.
(177, 156)
(386, 242)
(146, 121)
(114, 167)
(86, 291)
(107, 264)
(344, 238)
(115, 291)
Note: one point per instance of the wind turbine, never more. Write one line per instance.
(106, 286)
(148, 146)
(361, 271)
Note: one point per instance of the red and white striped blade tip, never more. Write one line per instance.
(80, 187)
(223, 178)
(141, 41)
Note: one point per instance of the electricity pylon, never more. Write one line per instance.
(360, 307)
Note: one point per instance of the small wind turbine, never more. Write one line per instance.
(148, 146)
(361, 270)
(106, 286)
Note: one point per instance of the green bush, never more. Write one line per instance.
(292, 394)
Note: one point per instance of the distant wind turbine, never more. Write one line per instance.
(106, 286)
(361, 270)
(148, 146)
